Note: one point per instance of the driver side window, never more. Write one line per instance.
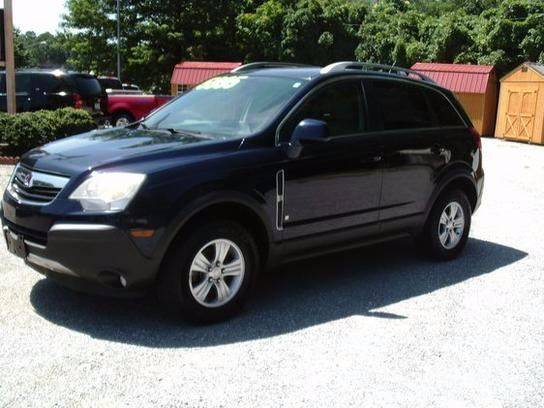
(338, 104)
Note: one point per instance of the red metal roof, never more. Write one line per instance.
(195, 72)
(460, 78)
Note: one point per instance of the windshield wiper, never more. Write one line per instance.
(184, 132)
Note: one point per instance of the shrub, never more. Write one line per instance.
(27, 130)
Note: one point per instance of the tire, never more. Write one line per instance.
(436, 238)
(122, 119)
(182, 278)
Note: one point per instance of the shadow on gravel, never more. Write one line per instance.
(295, 297)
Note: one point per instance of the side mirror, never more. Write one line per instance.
(306, 132)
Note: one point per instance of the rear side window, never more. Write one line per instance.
(444, 111)
(110, 83)
(23, 84)
(48, 83)
(338, 104)
(395, 105)
(87, 86)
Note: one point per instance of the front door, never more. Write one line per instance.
(333, 185)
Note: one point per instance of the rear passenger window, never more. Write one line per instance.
(23, 84)
(444, 111)
(395, 105)
(49, 84)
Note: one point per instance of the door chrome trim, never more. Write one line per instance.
(280, 198)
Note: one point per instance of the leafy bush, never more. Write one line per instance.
(27, 130)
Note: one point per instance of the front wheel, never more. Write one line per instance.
(446, 231)
(209, 272)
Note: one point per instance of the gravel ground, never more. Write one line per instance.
(362, 328)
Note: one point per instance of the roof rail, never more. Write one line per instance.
(364, 66)
(264, 64)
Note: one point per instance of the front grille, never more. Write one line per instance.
(33, 187)
(39, 194)
(28, 234)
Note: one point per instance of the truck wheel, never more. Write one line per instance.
(209, 272)
(446, 232)
(122, 119)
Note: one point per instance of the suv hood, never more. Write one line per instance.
(75, 154)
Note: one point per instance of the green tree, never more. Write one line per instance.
(43, 50)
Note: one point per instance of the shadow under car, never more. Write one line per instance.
(291, 298)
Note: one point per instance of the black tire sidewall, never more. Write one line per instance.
(173, 285)
(435, 247)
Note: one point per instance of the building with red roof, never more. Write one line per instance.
(188, 74)
(475, 86)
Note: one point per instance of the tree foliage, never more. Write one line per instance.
(158, 34)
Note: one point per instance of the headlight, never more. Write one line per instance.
(108, 191)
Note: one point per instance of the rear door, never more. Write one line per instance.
(400, 112)
(50, 91)
(333, 185)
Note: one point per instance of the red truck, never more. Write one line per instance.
(129, 106)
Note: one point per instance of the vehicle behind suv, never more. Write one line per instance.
(249, 170)
(38, 89)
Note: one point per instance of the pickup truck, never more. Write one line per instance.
(125, 107)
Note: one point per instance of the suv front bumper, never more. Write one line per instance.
(95, 258)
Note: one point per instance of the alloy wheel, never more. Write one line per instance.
(451, 225)
(216, 273)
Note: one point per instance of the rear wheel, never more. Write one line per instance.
(209, 272)
(446, 232)
(122, 119)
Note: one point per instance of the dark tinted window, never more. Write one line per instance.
(87, 85)
(444, 111)
(22, 83)
(395, 105)
(110, 83)
(338, 104)
(47, 83)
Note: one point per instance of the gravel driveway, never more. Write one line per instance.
(374, 327)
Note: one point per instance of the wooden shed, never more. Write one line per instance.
(475, 86)
(521, 104)
(188, 74)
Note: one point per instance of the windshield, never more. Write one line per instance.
(229, 106)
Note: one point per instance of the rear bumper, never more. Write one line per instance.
(94, 258)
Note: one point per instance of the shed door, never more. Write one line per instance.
(520, 114)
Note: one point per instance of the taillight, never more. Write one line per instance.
(78, 101)
(476, 136)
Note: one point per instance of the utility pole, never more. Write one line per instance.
(118, 39)
(10, 57)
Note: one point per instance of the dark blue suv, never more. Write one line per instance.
(267, 164)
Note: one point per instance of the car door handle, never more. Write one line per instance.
(373, 159)
(438, 150)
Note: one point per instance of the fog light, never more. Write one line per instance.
(123, 281)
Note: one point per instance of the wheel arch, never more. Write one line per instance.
(122, 111)
(235, 207)
(459, 178)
